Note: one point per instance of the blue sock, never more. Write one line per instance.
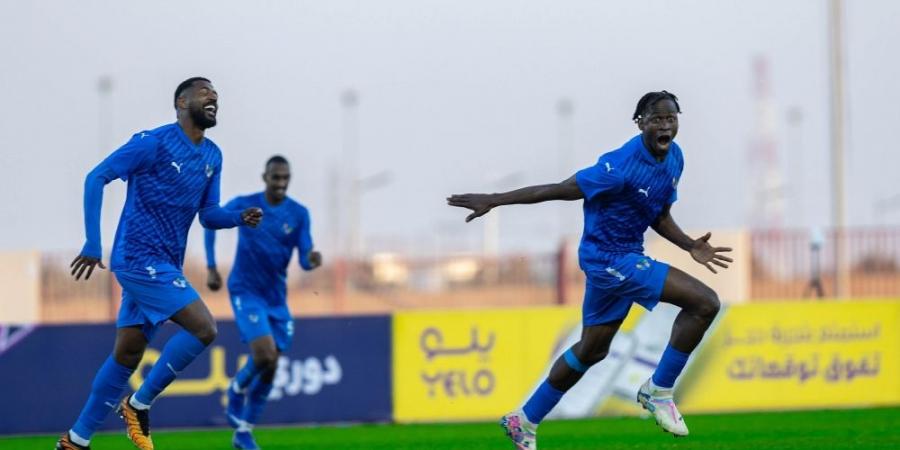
(541, 402)
(246, 374)
(256, 400)
(110, 381)
(176, 355)
(670, 366)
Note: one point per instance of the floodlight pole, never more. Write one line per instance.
(838, 208)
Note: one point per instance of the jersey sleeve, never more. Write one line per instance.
(304, 240)
(600, 179)
(135, 156)
(209, 235)
(211, 214)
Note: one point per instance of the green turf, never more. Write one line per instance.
(847, 429)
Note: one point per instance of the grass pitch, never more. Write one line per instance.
(844, 429)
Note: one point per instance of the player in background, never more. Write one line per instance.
(627, 191)
(173, 174)
(258, 291)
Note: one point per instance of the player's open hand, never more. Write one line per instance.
(252, 216)
(82, 263)
(479, 203)
(213, 279)
(708, 255)
(315, 259)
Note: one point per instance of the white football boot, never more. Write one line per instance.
(519, 430)
(658, 401)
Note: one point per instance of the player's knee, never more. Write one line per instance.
(266, 361)
(710, 305)
(128, 358)
(207, 334)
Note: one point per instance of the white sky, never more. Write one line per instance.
(453, 96)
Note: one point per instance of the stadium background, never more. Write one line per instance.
(415, 317)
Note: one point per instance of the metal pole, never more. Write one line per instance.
(349, 102)
(565, 109)
(836, 23)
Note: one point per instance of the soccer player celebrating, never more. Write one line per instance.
(258, 291)
(628, 190)
(173, 173)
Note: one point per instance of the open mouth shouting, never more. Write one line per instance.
(211, 109)
(663, 140)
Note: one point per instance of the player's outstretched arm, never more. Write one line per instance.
(700, 249)
(480, 204)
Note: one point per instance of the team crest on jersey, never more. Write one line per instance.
(287, 228)
(180, 282)
(643, 264)
(209, 171)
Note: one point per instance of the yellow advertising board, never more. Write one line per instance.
(791, 355)
(472, 365)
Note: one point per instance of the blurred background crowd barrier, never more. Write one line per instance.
(784, 265)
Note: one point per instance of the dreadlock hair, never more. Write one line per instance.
(277, 159)
(651, 98)
(184, 85)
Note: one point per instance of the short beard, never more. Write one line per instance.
(200, 120)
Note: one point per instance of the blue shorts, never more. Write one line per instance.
(255, 318)
(629, 278)
(152, 296)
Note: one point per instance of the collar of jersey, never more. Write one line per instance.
(184, 137)
(645, 152)
(265, 202)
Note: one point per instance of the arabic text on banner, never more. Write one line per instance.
(783, 355)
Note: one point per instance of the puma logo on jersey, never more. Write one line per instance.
(287, 228)
(609, 168)
(180, 282)
(646, 192)
(237, 303)
(143, 135)
(209, 171)
(151, 271)
(253, 318)
(177, 166)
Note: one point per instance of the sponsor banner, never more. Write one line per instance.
(472, 365)
(787, 355)
(337, 370)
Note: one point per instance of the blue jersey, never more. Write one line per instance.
(264, 252)
(170, 179)
(623, 195)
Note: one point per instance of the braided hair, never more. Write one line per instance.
(651, 98)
